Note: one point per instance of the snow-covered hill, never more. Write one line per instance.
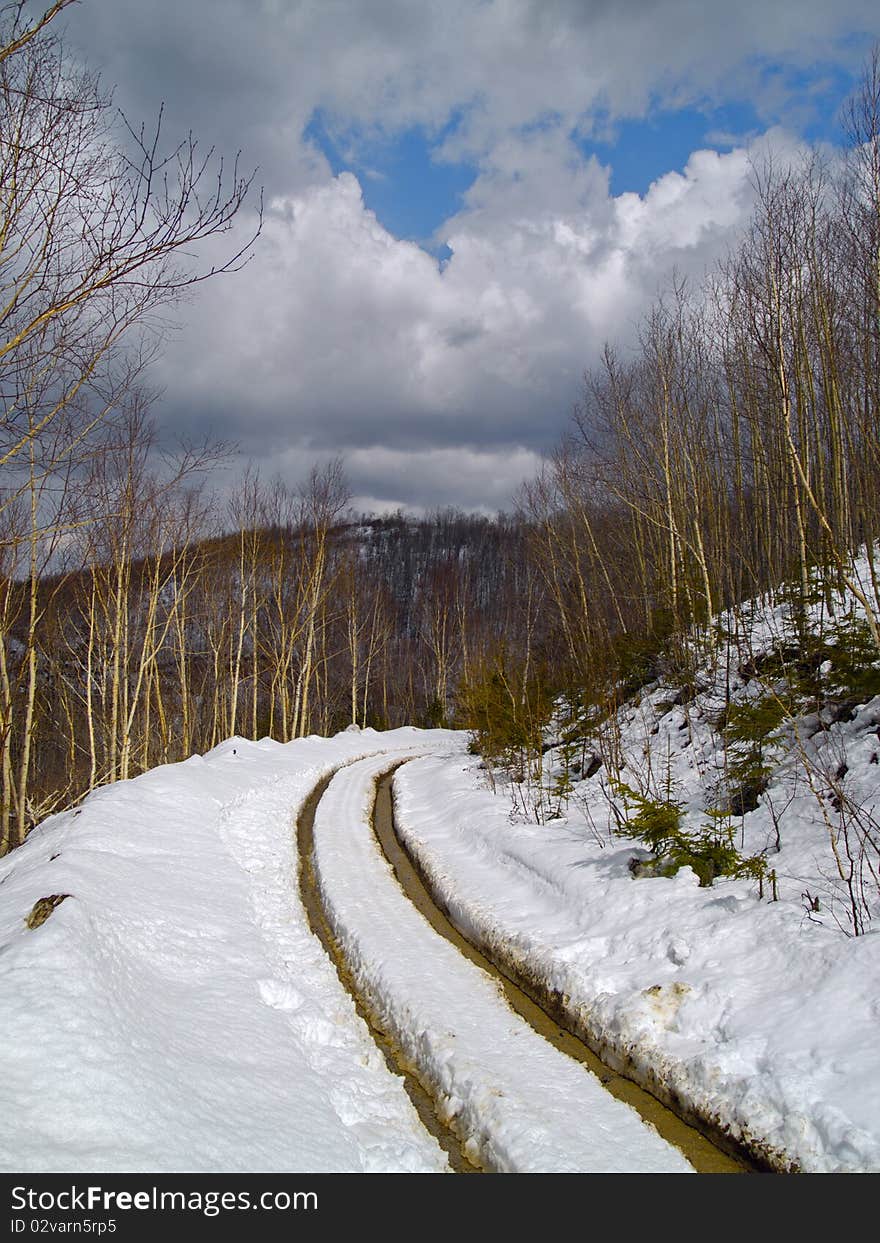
(752, 1001)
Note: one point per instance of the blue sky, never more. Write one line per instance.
(413, 191)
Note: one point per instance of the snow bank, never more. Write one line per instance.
(762, 1016)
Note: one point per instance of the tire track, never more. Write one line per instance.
(704, 1155)
(311, 900)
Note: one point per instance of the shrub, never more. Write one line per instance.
(855, 661)
(506, 714)
(710, 852)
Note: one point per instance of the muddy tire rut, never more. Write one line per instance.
(397, 1064)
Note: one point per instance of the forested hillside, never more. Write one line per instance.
(734, 452)
(159, 639)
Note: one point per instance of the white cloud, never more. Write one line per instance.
(250, 73)
(341, 338)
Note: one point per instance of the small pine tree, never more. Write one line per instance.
(710, 852)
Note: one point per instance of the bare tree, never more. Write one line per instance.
(98, 223)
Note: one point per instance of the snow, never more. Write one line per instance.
(176, 1013)
(519, 1104)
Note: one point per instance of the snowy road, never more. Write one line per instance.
(176, 1013)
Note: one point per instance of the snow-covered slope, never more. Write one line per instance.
(760, 1014)
(174, 1012)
